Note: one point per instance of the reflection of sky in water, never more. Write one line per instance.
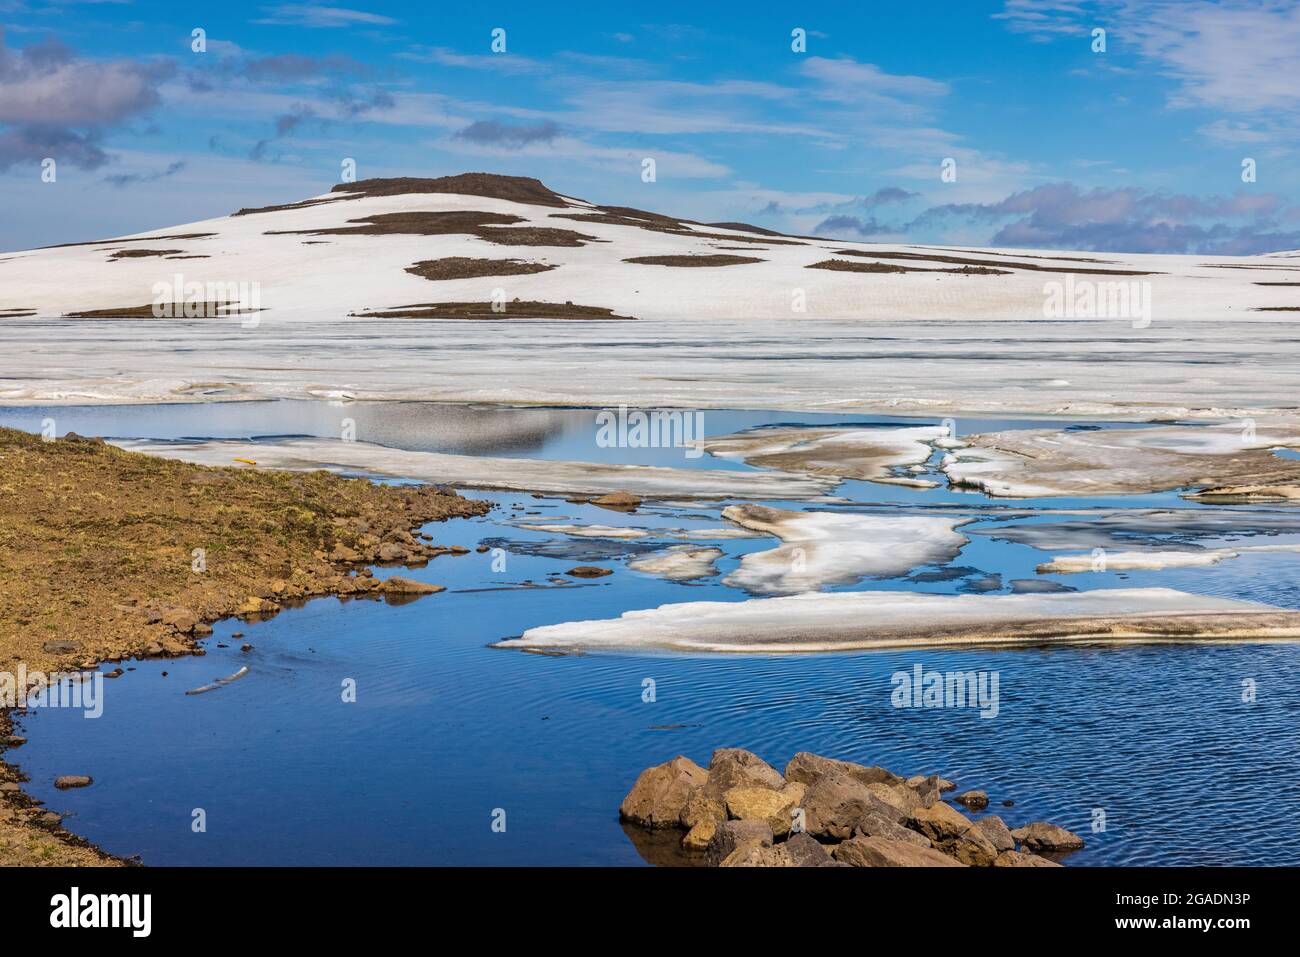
(446, 729)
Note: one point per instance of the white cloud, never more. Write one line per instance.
(316, 15)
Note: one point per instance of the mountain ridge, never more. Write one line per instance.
(395, 246)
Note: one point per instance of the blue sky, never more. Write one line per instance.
(1136, 148)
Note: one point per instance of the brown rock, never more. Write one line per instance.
(397, 585)
(774, 808)
(873, 825)
(391, 552)
(974, 800)
(953, 833)
(73, 781)
(60, 647)
(589, 571)
(806, 851)
(618, 501)
(835, 804)
(699, 836)
(1019, 859)
(702, 806)
(182, 619)
(882, 852)
(735, 767)
(659, 795)
(1041, 836)
(733, 835)
(257, 606)
(342, 553)
(928, 790)
(939, 821)
(806, 768)
(755, 854)
(899, 796)
(995, 829)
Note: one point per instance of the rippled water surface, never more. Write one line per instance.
(1166, 745)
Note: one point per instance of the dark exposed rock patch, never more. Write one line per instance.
(843, 265)
(589, 571)
(178, 310)
(492, 227)
(143, 253)
(745, 228)
(140, 239)
(515, 189)
(305, 204)
(961, 261)
(463, 267)
(483, 310)
(706, 260)
(658, 223)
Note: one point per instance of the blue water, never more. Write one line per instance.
(446, 730)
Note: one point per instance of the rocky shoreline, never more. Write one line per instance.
(108, 555)
(822, 812)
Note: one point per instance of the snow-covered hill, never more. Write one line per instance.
(452, 247)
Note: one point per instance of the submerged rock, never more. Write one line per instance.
(589, 571)
(974, 800)
(618, 501)
(397, 585)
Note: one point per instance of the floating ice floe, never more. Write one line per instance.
(590, 531)
(1127, 561)
(715, 534)
(471, 471)
(679, 563)
(844, 621)
(838, 548)
(1149, 529)
(868, 454)
(1039, 462)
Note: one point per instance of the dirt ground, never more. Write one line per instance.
(107, 555)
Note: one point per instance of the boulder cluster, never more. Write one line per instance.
(742, 812)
